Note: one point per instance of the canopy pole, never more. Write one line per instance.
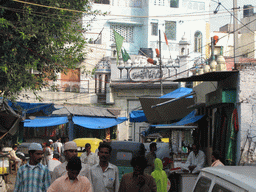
(70, 128)
(172, 100)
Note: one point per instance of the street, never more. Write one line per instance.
(9, 187)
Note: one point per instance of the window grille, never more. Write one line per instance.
(159, 2)
(174, 3)
(170, 30)
(154, 29)
(198, 42)
(125, 31)
(128, 3)
(102, 2)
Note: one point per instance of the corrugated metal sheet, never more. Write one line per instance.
(83, 111)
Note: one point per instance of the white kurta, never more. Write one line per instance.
(195, 160)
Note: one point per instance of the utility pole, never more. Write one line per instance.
(235, 26)
(160, 63)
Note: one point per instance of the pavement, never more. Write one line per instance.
(11, 182)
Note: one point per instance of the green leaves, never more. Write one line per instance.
(39, 38)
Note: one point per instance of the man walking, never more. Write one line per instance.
(33, 176)
(89, 157)
(71, 181)
(104, 175)
(138, 181)
(151, 156)
(70, 150)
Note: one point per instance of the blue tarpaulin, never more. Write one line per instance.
(190, 118)
(46, 108)
(178, 93)
(137, 116)
(45, 121)
(97, 122)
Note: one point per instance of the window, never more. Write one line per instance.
(102, 1)
(125, 31)
(198, 42)
(174, 3)
(170, 30)
(154, 29)
(203, 185)
(159, 2)
(128, 3)
(218, 188)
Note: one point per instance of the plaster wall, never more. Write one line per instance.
(122, 99)
(247, 45)
(246, 104)
(202, 89)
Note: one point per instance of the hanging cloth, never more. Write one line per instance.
(231, 139)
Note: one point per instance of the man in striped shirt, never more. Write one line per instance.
(33, 176)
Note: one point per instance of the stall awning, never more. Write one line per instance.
(137, 116)
(211, 76)
(9, 119)
(182, 124)
(45, 121)
(169, 112)
(190, 118)
(30, 108)
(178, 93)
(97, 122)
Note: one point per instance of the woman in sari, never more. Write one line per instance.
(160, 176)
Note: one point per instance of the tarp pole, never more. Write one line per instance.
(70, 128)
(172, 100)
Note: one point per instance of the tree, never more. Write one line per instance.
(44, 36)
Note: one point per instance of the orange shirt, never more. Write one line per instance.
(63, 184)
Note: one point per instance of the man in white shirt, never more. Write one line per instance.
(104, 175)
(14, 157)
(54, 162)
(89, 157)
(70, 150)
(196, 160)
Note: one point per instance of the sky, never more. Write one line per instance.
(223, 17)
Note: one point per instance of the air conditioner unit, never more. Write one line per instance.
(220, 96)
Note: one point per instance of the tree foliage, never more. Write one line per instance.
(44, 36)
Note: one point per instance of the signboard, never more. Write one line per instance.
(144, 74)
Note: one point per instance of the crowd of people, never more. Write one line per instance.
(93, 172)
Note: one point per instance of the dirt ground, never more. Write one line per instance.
(9, 186)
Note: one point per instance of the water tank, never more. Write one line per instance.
(248, 10)
(148, 52)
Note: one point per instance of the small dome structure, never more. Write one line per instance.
(103, 66)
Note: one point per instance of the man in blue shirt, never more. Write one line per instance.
(33, 176)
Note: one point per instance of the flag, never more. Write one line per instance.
(166, 40)
(119, 42)
(125, 55)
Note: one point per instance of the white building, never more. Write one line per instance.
(139, 22)
(185, 23)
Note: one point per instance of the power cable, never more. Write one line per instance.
(219, 3)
